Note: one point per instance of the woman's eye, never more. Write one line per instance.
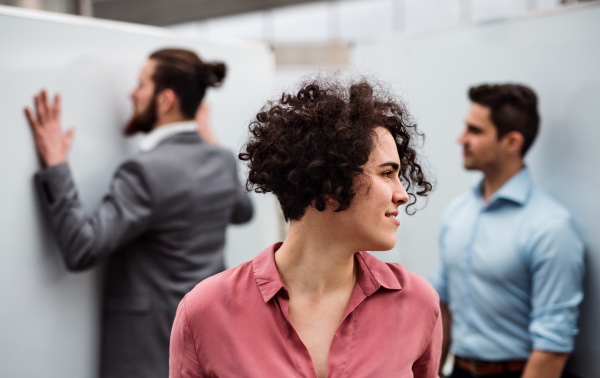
(388, 174)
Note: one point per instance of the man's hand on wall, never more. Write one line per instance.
(51, 144)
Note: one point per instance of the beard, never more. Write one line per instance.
(143, 122)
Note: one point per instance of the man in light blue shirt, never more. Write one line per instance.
(511, 263)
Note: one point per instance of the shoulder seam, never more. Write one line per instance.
(430, 334)
(187, 323)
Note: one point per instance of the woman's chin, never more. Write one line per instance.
(383, 245)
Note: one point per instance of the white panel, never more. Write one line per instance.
(548, 4)
(49, 317)
(431, 14)
(248, 26)
(492, 9)
(361, 19)
(189, 29)
(302, 23)
(558, 54)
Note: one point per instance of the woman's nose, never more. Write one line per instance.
(400, 196)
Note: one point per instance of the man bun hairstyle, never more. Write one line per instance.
(513, 108)
(308, 146)
(187, 75)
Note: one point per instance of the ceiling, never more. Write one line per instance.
(167, 12)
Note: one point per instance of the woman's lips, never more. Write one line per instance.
(393, 219)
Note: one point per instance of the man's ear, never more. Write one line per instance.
(166, 101)
(514, 142)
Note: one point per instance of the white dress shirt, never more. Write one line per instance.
(153, 138)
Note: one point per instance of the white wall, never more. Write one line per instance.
(558, 54)
(49, 317)
(351, 20)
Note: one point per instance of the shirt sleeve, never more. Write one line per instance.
(183, 358)
(557, 265)
(124, 214)
(439, 277)
(427, 366)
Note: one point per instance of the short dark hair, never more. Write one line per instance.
(513, 108)
(187, 75)
(310, 145)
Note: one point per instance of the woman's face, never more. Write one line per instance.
(370, 221)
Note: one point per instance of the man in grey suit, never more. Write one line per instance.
(161, 228)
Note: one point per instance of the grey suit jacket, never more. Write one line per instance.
(161, 230)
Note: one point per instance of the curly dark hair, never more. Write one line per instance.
(311, 145)
(513, 107)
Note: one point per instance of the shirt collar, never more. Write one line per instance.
(372, 273)
(159, 134)
(516, 189)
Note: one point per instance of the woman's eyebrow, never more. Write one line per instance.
(391, 164)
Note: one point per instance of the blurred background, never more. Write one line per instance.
(430, 51)
(304, 35)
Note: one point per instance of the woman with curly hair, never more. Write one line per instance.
(341, 160)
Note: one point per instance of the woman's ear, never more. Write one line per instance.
(325, 203)
(330, 202)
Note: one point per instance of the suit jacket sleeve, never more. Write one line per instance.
(242, 210)
(124, 214)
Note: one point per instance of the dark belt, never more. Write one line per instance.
(480, 368)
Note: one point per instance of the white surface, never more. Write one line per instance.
(431, 14)
(558, 54)
(49, 317)
(361, 19)
(303, 23)
(490, 9)
(352, 20)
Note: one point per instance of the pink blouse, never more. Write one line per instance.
(236, 324)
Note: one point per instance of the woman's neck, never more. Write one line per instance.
(312, 262)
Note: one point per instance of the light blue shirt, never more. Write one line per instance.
(511, 272)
